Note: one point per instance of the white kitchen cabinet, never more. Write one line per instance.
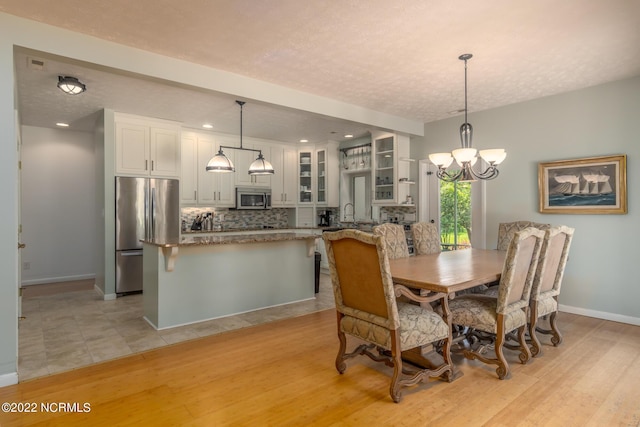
(327, 182)
(306, 216)
(197, 186)
(244, 158)
(214, 188)
(146, 147)
(284, 181)
(391, 167)
(305, 176)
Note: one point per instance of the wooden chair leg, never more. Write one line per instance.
(503, 365)
(396, 355)
(536, 346)
(556, 339)
(341, 366)
(525, 354)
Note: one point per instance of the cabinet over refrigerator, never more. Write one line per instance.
(146, 208)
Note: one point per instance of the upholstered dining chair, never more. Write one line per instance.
(508, 312)
(395, 238)
(546, 285)
(506, 231)
(426, 239)
(367, 309)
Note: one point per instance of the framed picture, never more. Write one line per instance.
(594, 185)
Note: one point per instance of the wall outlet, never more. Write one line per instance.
(26, 265)
(221, 217)
(277, 217)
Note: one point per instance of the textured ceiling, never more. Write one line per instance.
(396, 57)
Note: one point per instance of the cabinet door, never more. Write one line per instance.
(165, 152)
(189, 169)
(384, 170)
(132, 149)
(214, 188)
(244, 158)
(321, 177)
(305, 176)
(289, 173)
(206, 180)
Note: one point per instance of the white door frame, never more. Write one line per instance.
(429, 196)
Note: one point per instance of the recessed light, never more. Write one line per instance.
(304, 140)
(207, 126)
(349, 135)
(62, 125)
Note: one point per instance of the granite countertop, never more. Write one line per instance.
(236, 230)
(227, 239)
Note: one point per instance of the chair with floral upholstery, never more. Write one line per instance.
(367, 309)
(426, 239)
(395, 239)
(497, 317)
(546, 285)
(506, 231)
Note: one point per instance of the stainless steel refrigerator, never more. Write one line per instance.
(146, 208)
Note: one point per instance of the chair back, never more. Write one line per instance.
(426, 239)
(552, 261)
(519, 270)
(506, 231)
(361, 277)
(395, 239)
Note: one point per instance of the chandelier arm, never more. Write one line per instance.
(443, 175)
(490, 172)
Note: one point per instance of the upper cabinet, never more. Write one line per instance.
(284, 181)
(197, 186)
(146, 147)
(327, 182)
(391, 168)
(305, 175)
(244, 158)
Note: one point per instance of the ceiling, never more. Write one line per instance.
(399, 58)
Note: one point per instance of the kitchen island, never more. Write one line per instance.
(201, 278)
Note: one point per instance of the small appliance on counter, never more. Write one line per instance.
(325, 218)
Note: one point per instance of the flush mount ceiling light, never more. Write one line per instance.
(466, 157)
(70, 85)
(221, 163)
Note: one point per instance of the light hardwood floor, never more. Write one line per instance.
(282, 374)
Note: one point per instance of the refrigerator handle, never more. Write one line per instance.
(146, 216)
(153, 214)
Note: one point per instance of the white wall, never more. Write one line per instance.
(601, 276)
(58, 205)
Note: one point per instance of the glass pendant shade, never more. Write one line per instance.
(493, 156)
(220, 163)
(442, 160)
(464, 155)
(70, 85)
(260, 167)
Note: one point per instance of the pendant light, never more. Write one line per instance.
(70, 85)
(467, 156)
(221, 163)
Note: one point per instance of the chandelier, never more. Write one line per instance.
(221, 163)
(467, 156)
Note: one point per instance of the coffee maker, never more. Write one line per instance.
(325, 218)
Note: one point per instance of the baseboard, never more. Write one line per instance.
(600, 314)
(8, 379)
(58, 279)
(104, 296)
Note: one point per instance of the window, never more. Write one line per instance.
(455, 215)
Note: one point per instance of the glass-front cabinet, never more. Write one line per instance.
(384, 172)
(391, 170)
(321, 179)
(305, 176)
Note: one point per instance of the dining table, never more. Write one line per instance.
(446, 272)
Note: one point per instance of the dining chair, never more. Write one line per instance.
(546, 285)
(426, 239)
(367, 309)
(508, 312)
(395, 239)
(506, 231)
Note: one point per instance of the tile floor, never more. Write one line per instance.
(74, 328)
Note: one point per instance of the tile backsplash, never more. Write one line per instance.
(233, 219)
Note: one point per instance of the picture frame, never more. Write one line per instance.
(592, 185)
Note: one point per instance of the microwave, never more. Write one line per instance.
(253, 198)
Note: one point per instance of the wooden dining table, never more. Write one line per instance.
(446, 272)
